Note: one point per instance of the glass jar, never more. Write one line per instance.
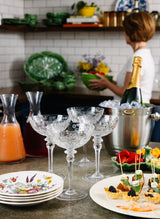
(11, 144)
(106, 18)
(112, 19)
(120, 18)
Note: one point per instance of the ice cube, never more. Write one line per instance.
(116, 104)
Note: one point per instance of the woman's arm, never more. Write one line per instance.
(103, 83)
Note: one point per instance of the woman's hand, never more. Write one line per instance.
(98, 84)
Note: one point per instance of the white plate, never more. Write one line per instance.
(29, 183)
(98, 195)
(28, 203)
(30, 198)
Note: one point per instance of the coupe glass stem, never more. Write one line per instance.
(97, 148)
(50, 148)
(70, 160)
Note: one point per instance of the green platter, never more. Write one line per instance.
(44, 66)
(129, 167)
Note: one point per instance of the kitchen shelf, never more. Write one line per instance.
(25, 28)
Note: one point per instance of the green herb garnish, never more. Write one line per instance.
(136, 188)
(125, 182)
(138, 177)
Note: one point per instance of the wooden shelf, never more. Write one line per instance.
(25, 28)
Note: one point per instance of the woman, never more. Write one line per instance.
(138, 29)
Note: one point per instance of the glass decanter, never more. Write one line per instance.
(11, 144)
(35, 143)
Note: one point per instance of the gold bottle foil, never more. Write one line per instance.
(135, 78)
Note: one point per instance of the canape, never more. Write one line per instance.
(112, 192)
(139, 176)
(131, 195)
(124, 184)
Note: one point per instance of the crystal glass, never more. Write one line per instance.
(11, 144)
(39, 124)
(102, 128)
(74, 136)
(34, 142)
(92, 114)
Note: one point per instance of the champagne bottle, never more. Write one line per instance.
(133, 91)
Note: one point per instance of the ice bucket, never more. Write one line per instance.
(133, 130)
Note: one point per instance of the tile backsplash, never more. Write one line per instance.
(16, 47)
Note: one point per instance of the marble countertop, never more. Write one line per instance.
(85, 208)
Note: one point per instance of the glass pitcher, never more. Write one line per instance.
(11, 144)
(34, 143)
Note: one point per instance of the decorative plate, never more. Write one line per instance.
(30, 183)
(45, 65)
(29, 202)
(128, 167)
(123, 5)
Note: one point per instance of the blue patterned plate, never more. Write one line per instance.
(123, 5)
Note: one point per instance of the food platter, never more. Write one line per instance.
(129, 167)
(150, 158)
(98, 195)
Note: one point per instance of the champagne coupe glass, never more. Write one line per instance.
(92, 114)
(73, 137)
(39, 124)
(102, 128)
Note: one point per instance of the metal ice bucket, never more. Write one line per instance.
(133, 130)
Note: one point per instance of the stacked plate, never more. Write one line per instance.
(29, 187)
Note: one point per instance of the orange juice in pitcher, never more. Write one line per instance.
(11, 143)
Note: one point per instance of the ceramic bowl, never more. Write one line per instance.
(86, 77)
(87, 11)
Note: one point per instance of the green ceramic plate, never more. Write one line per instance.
(86, 77)
(128, 167)
(45, 65)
